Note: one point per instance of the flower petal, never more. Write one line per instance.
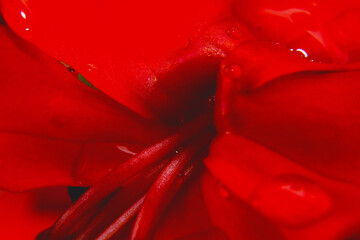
(42, 104)
(234, 217)
(301, 203)
(186, 215)
(309, 116)
(24, 215)
(325, 30)
(145, 55)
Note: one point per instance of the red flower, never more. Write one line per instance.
(284, 163)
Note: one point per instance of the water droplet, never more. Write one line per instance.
(223, 191)
(211, 101)
(23, 15)
(292, 201)
(71, 69)
(232, 71)
(178, 149)
(300, 52)
(303, 52)
(234, 32)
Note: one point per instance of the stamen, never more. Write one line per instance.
(124, 197)
(117, 177)
(165, 187)
(179, 181)
(122, 220)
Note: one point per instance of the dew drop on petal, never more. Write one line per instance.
(292, 201)
(303, 52)
(23, 15)
(18, 16)
(299, 52)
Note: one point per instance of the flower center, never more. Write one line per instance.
(141, 187)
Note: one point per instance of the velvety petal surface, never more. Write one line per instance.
(146, 55)
(288, 140)
(324, 30)
(51, 123)
(305, 110)
(24, 215)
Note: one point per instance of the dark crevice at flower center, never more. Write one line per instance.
(76, 192)
(130, 200)
(2, 21)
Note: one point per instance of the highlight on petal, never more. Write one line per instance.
(325, 30)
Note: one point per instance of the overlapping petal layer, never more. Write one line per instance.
(52, 124)
(285, 164)
(145, 55)
(32, 212)
(289, 140)
(324, 30)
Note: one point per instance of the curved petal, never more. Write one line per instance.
(137, 51)
(301, 203)
(186, 215)
(289, 140)
(24, 215)
(234, 217)
(49, 118)
(306, 111)
(325, 30)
